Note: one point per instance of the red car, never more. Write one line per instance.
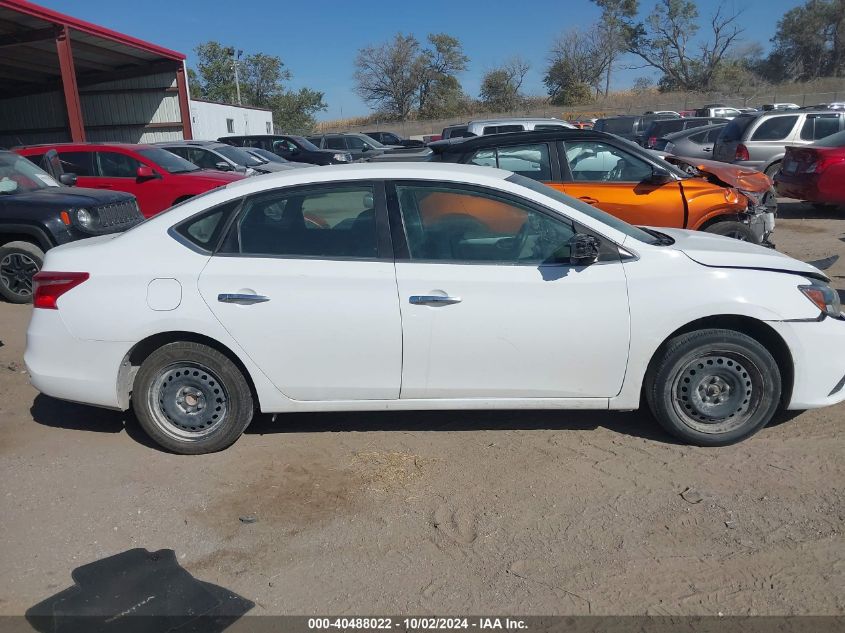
(157, 178)
(815, 173)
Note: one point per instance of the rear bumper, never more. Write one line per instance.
(810, 187)
(68, 368)
(818, 354)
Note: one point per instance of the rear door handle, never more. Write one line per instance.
(707, 149)
(242, 299)
(436, 300)
(588, 199)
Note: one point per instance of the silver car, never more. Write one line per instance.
(695, 142)
(514, 124)
(759, 140)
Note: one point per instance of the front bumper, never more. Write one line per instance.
(818, 355)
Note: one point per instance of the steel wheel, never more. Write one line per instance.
(16, 272)
(717, 392)
(188, 401)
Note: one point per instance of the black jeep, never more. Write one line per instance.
(39, 210)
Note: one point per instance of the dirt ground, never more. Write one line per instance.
(438, 513)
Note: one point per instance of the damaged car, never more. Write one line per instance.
(636, 185)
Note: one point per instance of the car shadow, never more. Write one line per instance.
(635, 423)
(61, 414)
(797, 210)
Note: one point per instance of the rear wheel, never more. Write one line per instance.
(19, 261)
(736, 230)
(191, 399)
(713, 387)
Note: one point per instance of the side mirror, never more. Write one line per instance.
(145, 173)
(584, 249)
(660, 176)
(366, 148)
(223, 166)
(68, 180)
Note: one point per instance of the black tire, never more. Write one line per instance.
(19, 261)
(772, 169)
(713, 387)
(736, 230)
(191, 399)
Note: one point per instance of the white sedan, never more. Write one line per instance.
(424, 286)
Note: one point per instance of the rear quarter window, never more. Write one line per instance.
(203, 230)
(774, 128)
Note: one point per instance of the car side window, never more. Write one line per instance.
(79, 163)
(698, 138)
(531, 160)
(335, 142)
(819, 125)
(501, 129)
(353, 142)
(204, 229)
(325, 222)
(592, 161)
(116, 165)
(455, 224)
(181, 152)
(774, 129)
(203, 158)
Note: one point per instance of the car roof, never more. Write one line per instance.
(128, 146)
(470, 143)
(516, 119)
(690, 131)
(191, 143)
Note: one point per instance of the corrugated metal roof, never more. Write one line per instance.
(29, 61)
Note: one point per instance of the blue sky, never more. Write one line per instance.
(318, 41)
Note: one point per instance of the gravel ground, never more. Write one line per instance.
(438, 513)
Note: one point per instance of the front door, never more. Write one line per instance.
(307, 288)
(491, 305)
(617, 181)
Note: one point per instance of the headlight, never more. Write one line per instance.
(343, 158)
(84, 218)
(823, 297)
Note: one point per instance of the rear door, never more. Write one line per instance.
(305, 283)
(617, 181)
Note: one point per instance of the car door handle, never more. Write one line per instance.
(707, 149)
(242, 299)
(588, 199)
(436, 300)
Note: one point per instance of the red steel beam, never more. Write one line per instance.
(71, 90)
(184, 105)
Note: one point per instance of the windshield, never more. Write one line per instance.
(586, 209)
(239, 156)
(18, 175)
(268, 156)
(171, 163)
(834, 140)
(373, 142)
(304, 143)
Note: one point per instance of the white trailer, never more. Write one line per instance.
(211, 120)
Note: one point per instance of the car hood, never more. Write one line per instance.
(725, 252)
(212, 176)
(267, 168)
(67, 197)
(742, 178)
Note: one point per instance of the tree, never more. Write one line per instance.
(262, 83)
(578, 60)
(614, 13)
(400, 77)
(500, 87)
(666, 41)
(642, 85)
(809, 43)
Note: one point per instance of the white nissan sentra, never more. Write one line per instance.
(418, 286)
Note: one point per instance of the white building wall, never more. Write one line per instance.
(210, 121)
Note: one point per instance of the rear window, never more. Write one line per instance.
(774, 128)
(819, 126)
(734, 130)
(622, 125)
(665, 127)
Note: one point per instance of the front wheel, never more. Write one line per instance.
(713, 387)
(191, 399)
(19, 261)
(736, 230)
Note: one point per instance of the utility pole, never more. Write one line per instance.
(236, 56)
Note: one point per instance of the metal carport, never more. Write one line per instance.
(64, 79)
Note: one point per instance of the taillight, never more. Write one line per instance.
(742, 153)
(821, 160)
(49, 286)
